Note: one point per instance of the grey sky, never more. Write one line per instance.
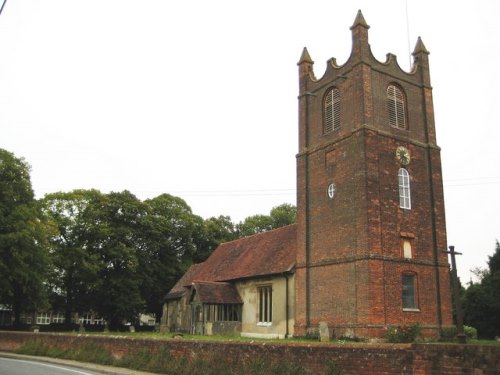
(199, 99)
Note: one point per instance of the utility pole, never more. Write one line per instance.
(461, 337)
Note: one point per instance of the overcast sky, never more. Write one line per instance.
(199, 98)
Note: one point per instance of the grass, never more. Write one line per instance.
(189, 337)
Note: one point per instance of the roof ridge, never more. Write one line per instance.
(209, 282)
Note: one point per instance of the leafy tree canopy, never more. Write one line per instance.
(108, 253)
(482, 300)
(169, 242)
(76, 262)
(279, 216)
(23, 251)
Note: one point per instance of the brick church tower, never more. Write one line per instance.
(371, 222)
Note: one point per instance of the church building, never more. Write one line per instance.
(367, 250)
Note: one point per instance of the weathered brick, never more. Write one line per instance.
(349, 255)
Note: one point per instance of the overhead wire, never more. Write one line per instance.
(3, 5)
(473, 181)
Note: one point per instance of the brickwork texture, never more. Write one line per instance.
(359, 359)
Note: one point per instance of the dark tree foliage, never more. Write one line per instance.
(168, 245)
(23, 233)
(77, 215)
(482, 300)
(218, 230)
(110, 254)
(118, 296)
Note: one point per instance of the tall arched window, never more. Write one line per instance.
(331, 110)
(409, 289)
(396, 106)
(404, 189)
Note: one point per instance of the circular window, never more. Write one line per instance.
(332, 189)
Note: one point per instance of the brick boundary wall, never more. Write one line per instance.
(359, 359)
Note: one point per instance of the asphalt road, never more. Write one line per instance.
(11, 366)
(17, 364)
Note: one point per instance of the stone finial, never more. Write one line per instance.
(360, 46)
(420, 47)
(305, 65)
(421, 61)
(360, 21)
(305, 57)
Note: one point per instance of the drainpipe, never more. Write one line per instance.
(203, 318)
(285, 275)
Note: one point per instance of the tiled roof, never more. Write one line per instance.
(262, 254)
(178, 290)
(214, 292)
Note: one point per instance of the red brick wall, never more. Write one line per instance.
(370, 359)
(349, 261)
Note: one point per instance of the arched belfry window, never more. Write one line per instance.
(396, 106)
(404, 189)
(331, 110)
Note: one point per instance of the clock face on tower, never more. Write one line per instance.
(402, 155)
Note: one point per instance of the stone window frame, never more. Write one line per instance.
(397, 108)
(404, 189)
(265, 305)
(414, 306)
(331, 110)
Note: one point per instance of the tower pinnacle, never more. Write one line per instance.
(420, 47)
(360, 21)
(305, 57)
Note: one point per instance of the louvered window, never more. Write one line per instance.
(331, 111)
(396, 106)
(404, 189)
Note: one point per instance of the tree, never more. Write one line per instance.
(284, 214)
(117, 297)
(482, 300)
(76, 263)
(23, 239)
(254, 224)
(210, 233)
(279, 216)
(494, 260)
(169, 240)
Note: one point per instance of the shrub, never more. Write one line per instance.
(34, 347)
(470, 332)
(89, 352)
(402, 333)
(450, 333)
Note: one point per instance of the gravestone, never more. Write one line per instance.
(324, 332)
